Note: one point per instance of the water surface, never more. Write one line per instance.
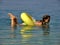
(26, 35)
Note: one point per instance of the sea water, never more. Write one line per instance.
(27, 35)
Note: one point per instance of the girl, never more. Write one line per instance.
(45, 20)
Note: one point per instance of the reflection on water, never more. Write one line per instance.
(13, 32)
(26, 34)
(46, 35)
(46, 32)
(46, 29)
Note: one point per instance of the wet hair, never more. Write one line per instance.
(46, 17)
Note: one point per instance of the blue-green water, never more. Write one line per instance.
(26, 35)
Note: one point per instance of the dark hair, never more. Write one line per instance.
(46, 17)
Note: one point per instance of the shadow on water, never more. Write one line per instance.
(26, 34)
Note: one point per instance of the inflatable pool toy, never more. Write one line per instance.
(27, 19)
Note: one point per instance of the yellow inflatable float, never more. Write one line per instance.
(27, 19)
